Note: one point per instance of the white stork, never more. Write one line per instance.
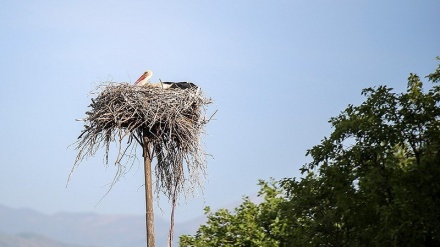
(145, 77)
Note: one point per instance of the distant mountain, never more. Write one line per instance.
(82, 229)
(30, 240)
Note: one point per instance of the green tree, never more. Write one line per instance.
(372, 182)
(376, 182)
(250, 224)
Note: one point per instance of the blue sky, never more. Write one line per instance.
(277, 71)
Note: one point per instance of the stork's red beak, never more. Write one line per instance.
(140, 79)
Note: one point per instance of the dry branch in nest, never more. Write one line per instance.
(172, 119)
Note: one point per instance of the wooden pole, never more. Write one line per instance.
(149, 216)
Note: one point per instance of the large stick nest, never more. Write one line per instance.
(172, 120)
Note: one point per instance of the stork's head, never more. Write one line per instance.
(148, 74)
(144, 78)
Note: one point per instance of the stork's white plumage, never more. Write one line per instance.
(144, 79)
(160, 85)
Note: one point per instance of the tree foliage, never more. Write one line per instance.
(251, 224)
(372, 182)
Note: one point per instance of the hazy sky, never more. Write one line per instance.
(277, 71)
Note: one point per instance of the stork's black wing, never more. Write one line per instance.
(182, 85)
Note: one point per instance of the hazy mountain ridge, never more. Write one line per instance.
(31, 240)
(82, 229)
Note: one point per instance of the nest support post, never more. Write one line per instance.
(149, 215)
